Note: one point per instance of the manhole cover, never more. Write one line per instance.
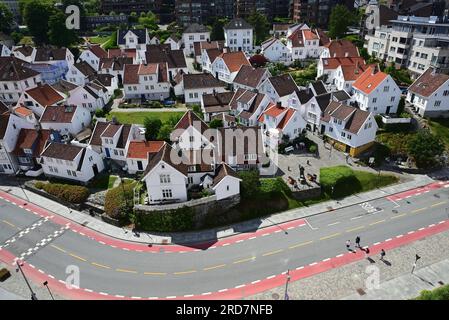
(360, 291)
(275, 296)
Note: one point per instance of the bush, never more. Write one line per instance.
(100, 113)
(250, 184)
(39, 185)
(66, 192)
(119, 201)
(166, 221)
(313, 148)
(441, 293)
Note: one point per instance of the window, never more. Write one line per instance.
(446, 93)
(121, 153)
(437, 103)
(374, 100)
(190, 180)
(164, 178)
(349, 137)
(386, 88)
(250, 157)
(331, 129)
(343, 134)
(69, 172)
(166, 193)
(191, 168)
(191, 138)
(392, 99)
(115, 152)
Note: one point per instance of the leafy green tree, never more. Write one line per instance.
(164, 132)
(58, 34)
(340, 19)
(261, 26)
(6, 18)
(196, 108)
(216, 123)
(174, 119)
(424, 147)
(217, 32)
(250, 184)
(92, 7)
(36, 15)
(152, 127)
(148, 21)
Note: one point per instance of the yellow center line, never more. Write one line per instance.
(418, 210)
(377, 222)
(9, 223)
(58, 248)
(244, 260)
(215, 267)
(125, 270)
(438, 204)
(272, 252)
(155, 273)
(184, 272)
(300, 244)
(354, 229)
(331, 236)
(398, 216)
(100, 265)
(77, 257)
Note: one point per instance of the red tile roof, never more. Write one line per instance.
(288, 115)
(234, 60)
(45, 95)
(369, 80)
(428, 82)
(99, 51)
(274, 110)
(334, 63)
(342, 48)
(21, 110)
(141, 149)
(309, 34)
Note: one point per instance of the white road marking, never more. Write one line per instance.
(103, 293)
(326, 259)
(188, 295)
(333, 224)
(252, 238)
(314, 263)
(88, 290)
(389, 239)
(206, 293)
(223, 290)
(240, 286)
(340, 255)
(271, 277)
(254, 282)
(299, 268)
(119, 296)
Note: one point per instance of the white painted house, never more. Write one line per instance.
(429, 94)
(40, 97)
(226, 66)
(92, 55)
(174, 42)
(67, 119)
(247, 106)
(71, 162)
(138, 154)
(239, 35)
(376, 92)
(148, 81)
(79, 73)
(133, 39)
(4, 51)
(276, 51)
(304, 43)
(279, 88)
(198, 84)
(91, 96)
(194, 33)
(349, 129)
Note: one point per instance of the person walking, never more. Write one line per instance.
(382, 254)
(348, 244)
(357, 242)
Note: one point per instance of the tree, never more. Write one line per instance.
(261, 26)
(92, 7)
(424, 147)
(36, 15)
(164, 132)
(340, 19)
(216, 123)
(217, 32)
(148, 21)
(250, 183)
(152, 127)
(58, 34)
(6, 18)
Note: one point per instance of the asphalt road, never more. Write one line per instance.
(52, 248)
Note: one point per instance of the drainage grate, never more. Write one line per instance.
(275, 296)
(360, 291)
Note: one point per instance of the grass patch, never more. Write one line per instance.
(99, 39)
(440, 127)
(139, 117)
(103, 182)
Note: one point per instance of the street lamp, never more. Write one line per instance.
(20, 186)
(286, 297)
(48, 288)
(33, 295)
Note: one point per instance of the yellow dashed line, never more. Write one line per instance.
(398, 216)
(9, 223)
(300, 244)
(58, 248)
(377, 222)
(126, 270)
(438, 204)
(331, 236)
(244, 260)
(354, 229)
(155, 273)
(272, 252)
(418, 210)
(215, 267)
(100, 265)
(77, 257)
(184, 272)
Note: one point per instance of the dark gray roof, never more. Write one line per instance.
(318, 87)
(195, 27)
(304, 95)
(237, 23)
(323, 100)
(341, 95)
(140, 33)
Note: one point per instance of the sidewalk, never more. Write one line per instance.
(216, 233)
(395, 279)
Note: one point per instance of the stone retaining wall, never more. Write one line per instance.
(307, 194)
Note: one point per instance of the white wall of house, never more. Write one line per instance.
(193, 96)
(437, 102)
(10, 91)
(385, 97)
(132, 41)
(80, 120)
(239, 39)
(149, 87)
(227, 187)
(81, 97)
(174, 45)
(189, 38)
(133, 165)
(89, 57)
(75, 76)
(277, 52)
(165, 183)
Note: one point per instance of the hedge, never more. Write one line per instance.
(166, 221)
(441, 293)
(119, 201)
(66, 192)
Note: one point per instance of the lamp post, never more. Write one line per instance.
(20, 186)
(286, 297)
(48, 288)
(33, 295)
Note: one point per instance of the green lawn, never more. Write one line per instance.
(104, 181)
(99, 39)
(440, 127)
(138, 117)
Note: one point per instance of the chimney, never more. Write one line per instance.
(278, 104)
(225, 49)
(375, 69)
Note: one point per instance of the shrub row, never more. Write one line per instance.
(164, 221)
(119, 201)
(66, 192)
